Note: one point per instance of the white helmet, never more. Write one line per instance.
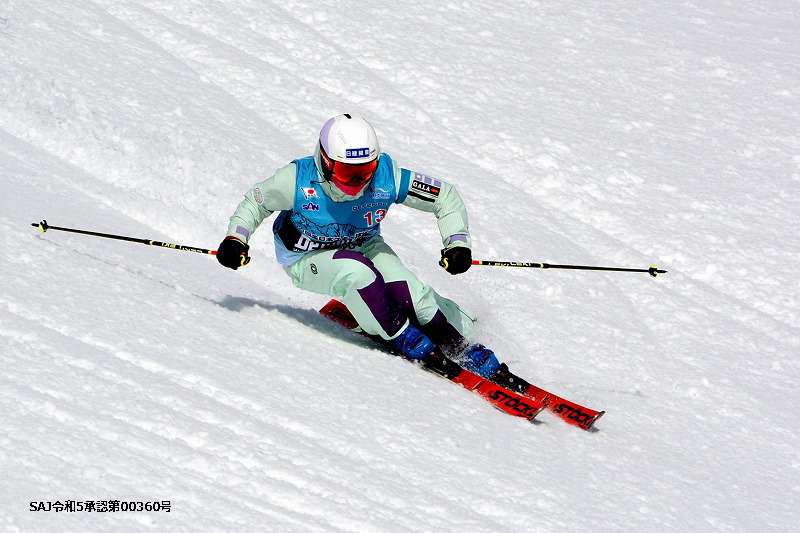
(349, 152)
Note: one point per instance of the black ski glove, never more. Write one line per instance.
(456, 260)
(232, 253)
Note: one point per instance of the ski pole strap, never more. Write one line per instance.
(44, 226)
(653, 270)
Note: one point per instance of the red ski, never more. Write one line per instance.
(569, 412)
(502, 398)
(527, 405)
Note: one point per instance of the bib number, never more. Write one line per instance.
(376, 217)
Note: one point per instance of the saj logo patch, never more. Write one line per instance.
(380, 194)
(310, 206)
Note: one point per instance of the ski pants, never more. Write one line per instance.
(381, 293)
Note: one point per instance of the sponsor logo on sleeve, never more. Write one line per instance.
(258, 195)
(426, 185)
(310, 206)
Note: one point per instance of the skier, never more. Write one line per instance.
(328, 239)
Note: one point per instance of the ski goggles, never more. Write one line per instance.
(348, 174)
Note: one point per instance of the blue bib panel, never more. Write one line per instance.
(317, 222)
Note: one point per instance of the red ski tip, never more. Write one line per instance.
(595, 419)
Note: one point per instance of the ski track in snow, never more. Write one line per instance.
(576, 134)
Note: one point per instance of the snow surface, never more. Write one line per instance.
(610, 133)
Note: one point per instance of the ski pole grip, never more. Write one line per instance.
(41, 225)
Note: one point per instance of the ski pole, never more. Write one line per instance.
(44, 226)
(653, 270)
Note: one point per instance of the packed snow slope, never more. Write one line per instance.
(614, 134)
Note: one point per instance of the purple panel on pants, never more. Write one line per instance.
(439, 330)
(361, 258)
(443, 333)
(401, 294)
(376, 296)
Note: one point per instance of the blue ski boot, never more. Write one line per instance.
(479, 359)
(412, 343)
